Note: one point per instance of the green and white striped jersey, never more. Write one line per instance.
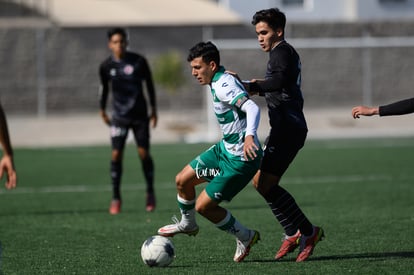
(228, 96)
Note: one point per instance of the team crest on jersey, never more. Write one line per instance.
(128, 69)
(112, 72)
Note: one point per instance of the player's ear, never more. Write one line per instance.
(213, 65)
(279, 33)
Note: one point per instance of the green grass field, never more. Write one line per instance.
(57, 221)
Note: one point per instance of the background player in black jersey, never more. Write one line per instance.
(6, 162)
(126, 71)
(281, 89)
(401, 107)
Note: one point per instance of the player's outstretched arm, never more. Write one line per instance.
(401, 107)
(6, 162)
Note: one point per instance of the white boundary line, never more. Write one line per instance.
(171, 185)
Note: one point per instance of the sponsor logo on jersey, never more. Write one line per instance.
(231, 93)
(206, 172)
(220, 109)
(218, 195)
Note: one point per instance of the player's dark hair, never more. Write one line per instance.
(207, 50)
(117, 30)
(273, 17)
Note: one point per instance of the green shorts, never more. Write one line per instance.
(225, 174)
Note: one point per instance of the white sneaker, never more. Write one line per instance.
(243, 247)
(172, 229)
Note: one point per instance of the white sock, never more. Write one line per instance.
(187, 209)
(232, 226)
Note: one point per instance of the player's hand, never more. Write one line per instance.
(250, 148)
(6, 166)
(249, 89)
(154, 119)
(245, 83)
(234, 74)
(364, 111)
(105, 118)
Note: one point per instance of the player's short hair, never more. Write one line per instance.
(207, 51)
(273, 17)
(117, 30)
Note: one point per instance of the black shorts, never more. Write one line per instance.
(140, 129)
(280, 148)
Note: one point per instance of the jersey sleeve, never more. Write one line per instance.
(278, 72)
(150, 84)
(104, 87)
(397, 108)
(252, 117)
(231, 91)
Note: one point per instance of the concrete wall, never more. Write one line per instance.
(328, 10)
(331, 77)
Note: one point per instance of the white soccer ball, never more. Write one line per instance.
(157, 251)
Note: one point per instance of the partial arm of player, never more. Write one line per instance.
(102, 111)
(103, 97)
(232, 92)
(401, 107)
(6, 162)
(151, 95)
(253, 118)
(261, 86)
(251, 86)
(397, 108)
(276, 81)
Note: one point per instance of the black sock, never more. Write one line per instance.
(116, 173)
(287, 212)
(148, 168)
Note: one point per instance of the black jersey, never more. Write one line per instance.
(126, 77)
(281, 88)
(397, 108)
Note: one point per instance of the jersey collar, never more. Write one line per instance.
(218, 74)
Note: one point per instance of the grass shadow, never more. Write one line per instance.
(368, 255)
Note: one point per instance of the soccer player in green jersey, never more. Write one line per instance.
(229, 165)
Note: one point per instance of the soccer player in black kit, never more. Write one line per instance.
(126, 72)
(281, 89)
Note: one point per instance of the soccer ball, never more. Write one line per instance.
(157, 251)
